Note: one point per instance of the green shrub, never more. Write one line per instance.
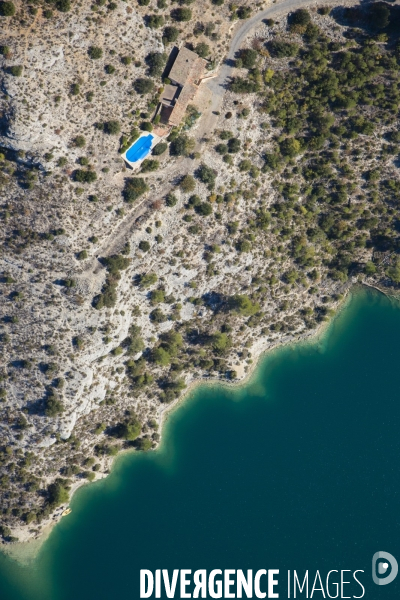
(243, 246)
(146, 280)
(221, 148)
(160, 148)
(206, 175)
(157, 316)
(157, 296)
(15, 70)
(290, 147)
(220, 342)
(225, 135)
(116, 351)
(100, 428)
(133, 343)
(300, 17)
(233, 145)
(155, 62)
(134, 188)
(394, 272)
(116, 263)
(82, 255)
(154, 21)
(58, 492)
(182, 145)
(170, 34)
(170, 199)
(75, 89)
(109, 69)
(84, 176)
(370, 268)
(149, 165)
(7, 9)
(143, 85)
(245, 165)
(243, 305)
(95, 52)
(282, 49)
(194, 200)
(204, 209)
(63, 5)
(144, 246)
(53, 405)
(311, 34)
(129, 429)
(159, 355)
(112, 127)
(243, 12)
(182, 14)
(242, 86)
(202, 49)
(290, 276)
(108, 296)
(144, 444)
(146, 126)
(79, 141)
(187, 183)
(248, 56)
(68, 283)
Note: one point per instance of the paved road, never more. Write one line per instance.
(218, 84)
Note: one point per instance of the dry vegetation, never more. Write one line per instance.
(118, 290)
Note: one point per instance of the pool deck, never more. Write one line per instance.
(137, 163)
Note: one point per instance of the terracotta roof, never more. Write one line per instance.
(183, 63)
(187, 71)
(177, 114)
(187, 94)
(197, 71)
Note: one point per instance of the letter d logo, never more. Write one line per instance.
(384, 568)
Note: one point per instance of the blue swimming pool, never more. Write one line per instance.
(140, 148)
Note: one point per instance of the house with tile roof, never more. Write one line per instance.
(185, 76)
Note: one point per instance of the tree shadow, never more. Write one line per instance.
(370, 17)
(170, 61)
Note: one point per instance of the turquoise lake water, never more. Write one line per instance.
(299, 469)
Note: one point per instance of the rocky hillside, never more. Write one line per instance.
(120, 288)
